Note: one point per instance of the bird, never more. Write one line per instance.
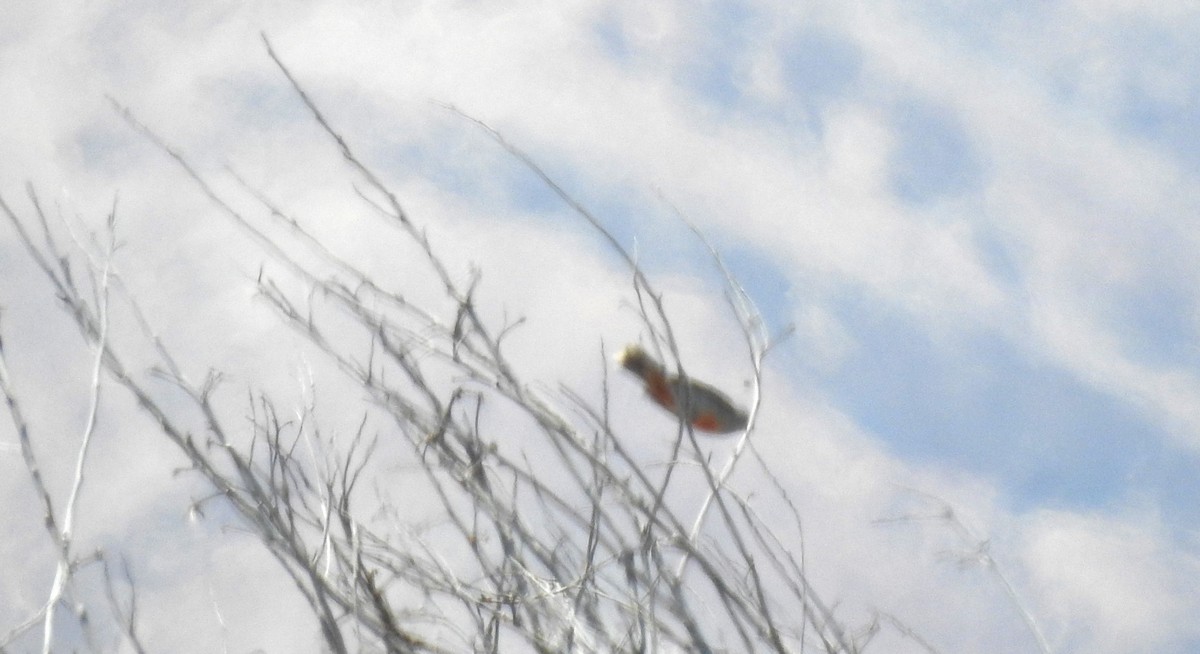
(705, 408)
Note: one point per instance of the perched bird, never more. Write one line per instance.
(702, 406)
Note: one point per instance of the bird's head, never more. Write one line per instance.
(634, 359)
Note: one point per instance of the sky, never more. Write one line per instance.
(980, 218)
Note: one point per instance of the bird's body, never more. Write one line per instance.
(700, 405)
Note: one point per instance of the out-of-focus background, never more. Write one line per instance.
(982, 220)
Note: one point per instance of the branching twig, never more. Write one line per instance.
(569, 542)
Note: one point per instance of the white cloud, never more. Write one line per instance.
(1114, 581)
(1084, 208)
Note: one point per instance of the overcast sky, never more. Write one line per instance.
(982, 219)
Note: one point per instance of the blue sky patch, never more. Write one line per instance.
(934, 156)
(819, 65)
(980, 403)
